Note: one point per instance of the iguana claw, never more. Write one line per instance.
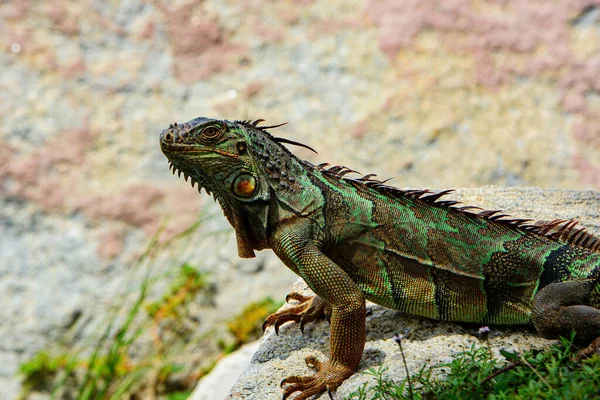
(296, 296)
(329, 393)
(327, 378)
(310, 308)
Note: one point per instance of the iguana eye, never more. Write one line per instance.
(244, 185)
(211, 132)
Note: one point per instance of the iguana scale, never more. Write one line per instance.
(353, 239)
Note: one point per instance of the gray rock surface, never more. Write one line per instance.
(426, 341)
(221, 379)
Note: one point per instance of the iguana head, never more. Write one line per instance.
(240, 164)
(214, 154)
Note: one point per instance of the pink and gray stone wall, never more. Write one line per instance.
(436, 93)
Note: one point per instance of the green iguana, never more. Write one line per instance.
(353, 239)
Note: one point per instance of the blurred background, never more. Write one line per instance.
(118, 280)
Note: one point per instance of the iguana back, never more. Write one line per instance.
(411, 251)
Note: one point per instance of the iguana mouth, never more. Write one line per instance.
(172, 144)
(181, 148)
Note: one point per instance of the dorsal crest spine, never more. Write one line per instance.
(560, 230)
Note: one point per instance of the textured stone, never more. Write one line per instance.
(221, 379)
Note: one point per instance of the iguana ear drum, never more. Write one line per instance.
(244, 185)
(241, 148)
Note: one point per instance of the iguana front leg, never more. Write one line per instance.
(347, 330)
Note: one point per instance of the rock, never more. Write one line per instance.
(426, 341)
(221, 379)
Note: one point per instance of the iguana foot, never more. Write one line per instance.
(327, 378)
(310, 308)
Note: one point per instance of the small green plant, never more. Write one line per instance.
(44, 368)
(108, 370)
(179, 395)
(554, 373)
(185, 286)
(247, 325)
